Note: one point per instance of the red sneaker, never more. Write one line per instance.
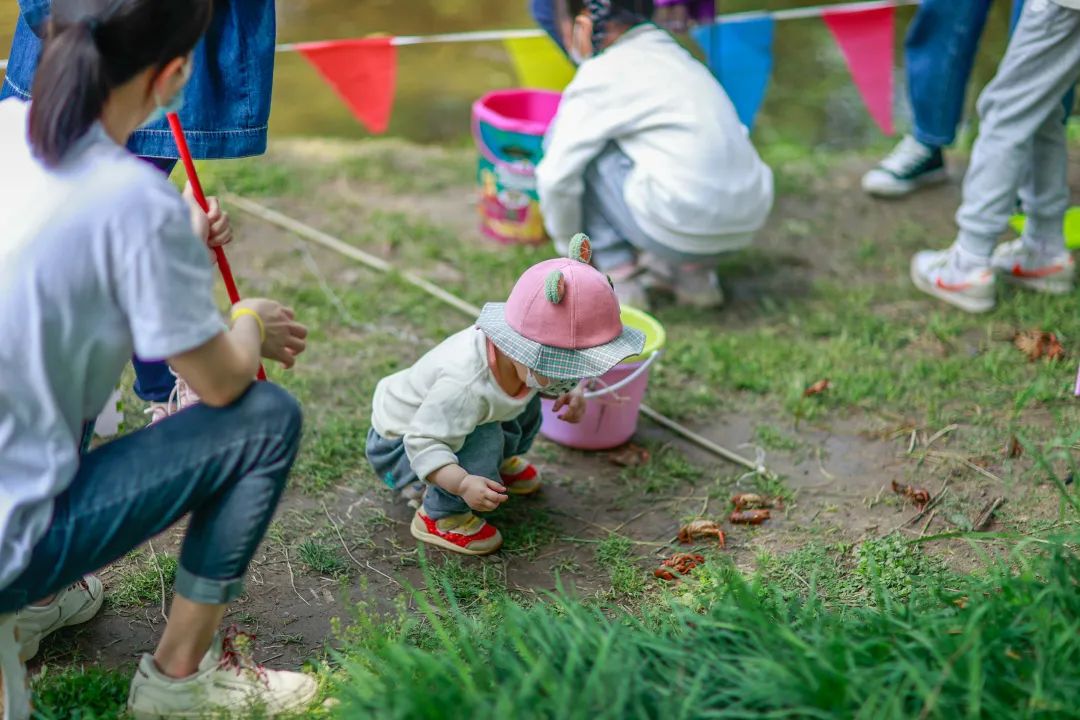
(519, 476)
(464, 533)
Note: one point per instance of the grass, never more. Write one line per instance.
(998, 645)
(80, 693)
(139, 580)
(615, 554)
(833, 629)
(321, 558)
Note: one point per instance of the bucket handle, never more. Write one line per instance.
(626, 380)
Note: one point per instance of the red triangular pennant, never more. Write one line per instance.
(362, 72)
(867, 39)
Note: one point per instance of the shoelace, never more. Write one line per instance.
(180, 397)
(907, 155)
(236, 654)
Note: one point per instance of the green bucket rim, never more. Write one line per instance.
(655, 334)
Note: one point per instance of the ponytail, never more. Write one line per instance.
(70, 90)
(94, 46)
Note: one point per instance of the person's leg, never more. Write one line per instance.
(605, 214)
(1039, 260)
(227, 466)
(519, 475)
(445, 520)
(391, 464)
(1016, 108)
(939, 52)
(153, 381)
(1019, 104)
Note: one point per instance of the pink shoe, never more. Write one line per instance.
(182, 396)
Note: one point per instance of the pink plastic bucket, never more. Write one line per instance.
(614, 400)
(509, 127)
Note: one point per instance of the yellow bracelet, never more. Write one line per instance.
(240, 312)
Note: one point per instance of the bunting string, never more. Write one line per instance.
(737, 47)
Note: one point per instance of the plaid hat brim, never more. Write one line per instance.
(553, 362)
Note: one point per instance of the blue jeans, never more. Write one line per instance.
(227, 99)
(939, 53)
(484, 451)
(153, 381)
(226, 466)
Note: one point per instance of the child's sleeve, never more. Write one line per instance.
(449, 413)
(580, 131)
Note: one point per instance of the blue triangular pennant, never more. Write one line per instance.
(739, 53)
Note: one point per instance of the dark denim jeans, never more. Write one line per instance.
(482, 454)
(227, 100)
(939, 53)
(225, 466)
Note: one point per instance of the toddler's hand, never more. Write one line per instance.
(574, 402)
(481, 494)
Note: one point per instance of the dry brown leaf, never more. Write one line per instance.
(1039, 343)
(819, 387)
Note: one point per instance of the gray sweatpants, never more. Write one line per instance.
(1022, 143)
(606, 218)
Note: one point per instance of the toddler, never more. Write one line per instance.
(463, 416)
(647, 154)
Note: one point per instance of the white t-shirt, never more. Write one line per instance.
(97, 259)
(697, 185)
(434, 405)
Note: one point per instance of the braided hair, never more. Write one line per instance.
(624, 12)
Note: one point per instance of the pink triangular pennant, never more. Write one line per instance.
(362, 72)
(867, 39)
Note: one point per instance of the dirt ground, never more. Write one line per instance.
(836, 472)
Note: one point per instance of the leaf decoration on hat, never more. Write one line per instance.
(581, 248)
(555, 287)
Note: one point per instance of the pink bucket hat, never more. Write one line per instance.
(562, 319)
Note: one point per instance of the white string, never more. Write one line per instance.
(493, 35)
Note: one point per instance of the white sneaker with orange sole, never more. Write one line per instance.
(943, 274)
(1053, 272)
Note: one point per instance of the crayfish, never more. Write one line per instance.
(749, 517)
(701, 529)
(745, 501)
(919, 496)
(681, 563)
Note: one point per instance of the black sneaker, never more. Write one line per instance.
(909, 167)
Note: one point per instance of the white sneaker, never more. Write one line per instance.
(1017, 263)
(943, 274)
(910, 166)
(14, 687)
(72, 606)
(227, 683)
(182, 396)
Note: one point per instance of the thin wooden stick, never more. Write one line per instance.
(161, 577)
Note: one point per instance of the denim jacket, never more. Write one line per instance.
(227, 99)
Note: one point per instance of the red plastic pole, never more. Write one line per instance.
(200, 197)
